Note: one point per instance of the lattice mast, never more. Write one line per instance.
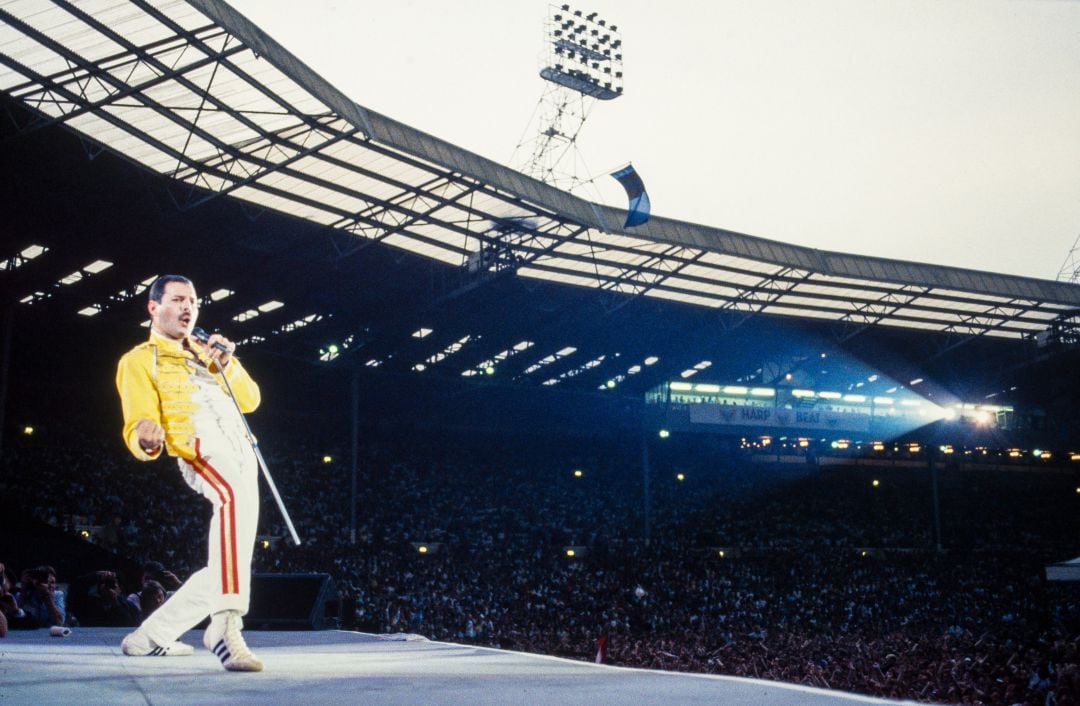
(1070, 269)
(582, 63)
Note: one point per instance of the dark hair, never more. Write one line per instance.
(157, 289)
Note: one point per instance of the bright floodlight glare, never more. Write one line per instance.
(570, 552)
(327, 459)
(28, 430)
(578, 473)
(664, 433)
(680, 477)
(422, 549)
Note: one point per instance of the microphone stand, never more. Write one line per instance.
(255, 446)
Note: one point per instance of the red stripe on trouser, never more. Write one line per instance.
(230, 577)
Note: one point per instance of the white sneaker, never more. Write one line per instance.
(223, 638)
(137, 644)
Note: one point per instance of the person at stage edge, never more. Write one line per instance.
(174, 401)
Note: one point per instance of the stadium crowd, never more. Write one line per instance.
(818, 577)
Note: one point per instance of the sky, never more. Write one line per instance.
(938, 131)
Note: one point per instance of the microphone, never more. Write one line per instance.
(202, 336)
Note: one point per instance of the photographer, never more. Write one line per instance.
(102, 605)
(39, 598)
(154, 572)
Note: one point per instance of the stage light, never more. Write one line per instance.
(422, 549)
(878, 446)
(578, 473)
(266, 544)
(876, 483)
(680, 477)
(721, 553)
(570, 552)
(28, 430)
(327, 459)
(664, 433)
(490, 370)
(84, 534)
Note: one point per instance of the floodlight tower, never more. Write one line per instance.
(582, 63)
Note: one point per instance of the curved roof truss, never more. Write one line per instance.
(194, 91)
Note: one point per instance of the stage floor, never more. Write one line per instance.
(339, 667)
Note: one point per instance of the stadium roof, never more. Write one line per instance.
(194, 91)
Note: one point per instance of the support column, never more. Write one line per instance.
(355, 453)
(5, 369)
(931, 460)
(646, 472)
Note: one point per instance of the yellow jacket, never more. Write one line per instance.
(159, 380)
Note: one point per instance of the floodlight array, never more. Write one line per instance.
(584, 53)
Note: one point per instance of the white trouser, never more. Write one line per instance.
(226, 472)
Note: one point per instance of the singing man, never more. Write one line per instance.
(175, 402)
